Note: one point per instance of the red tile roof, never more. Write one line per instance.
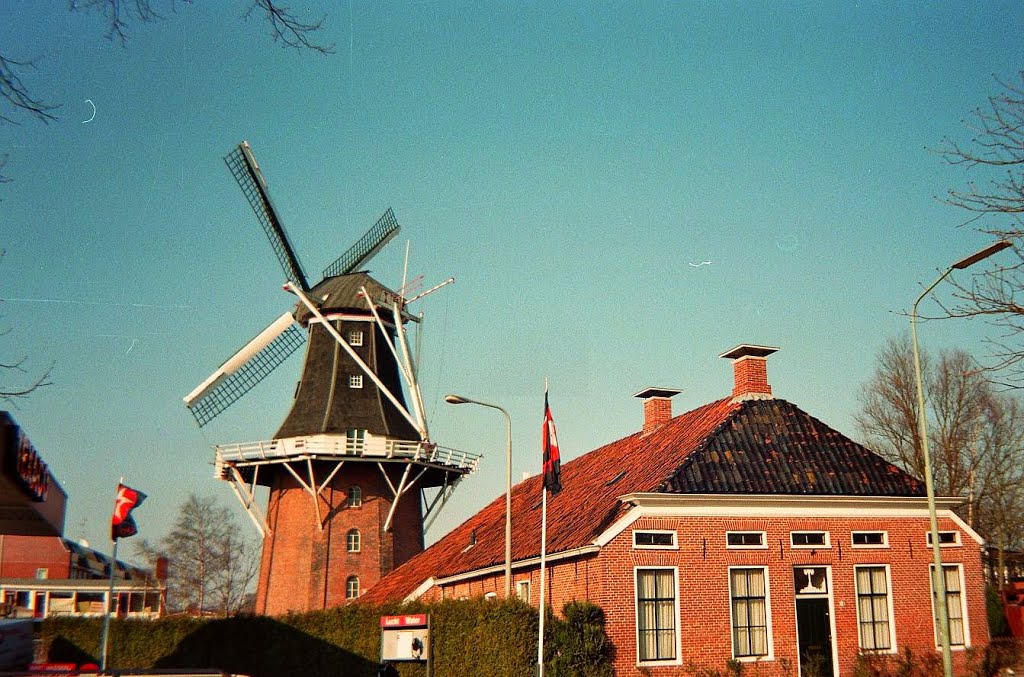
(586, 505)
(749, 447)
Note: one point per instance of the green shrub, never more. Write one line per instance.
(998, 626)
(469, 637)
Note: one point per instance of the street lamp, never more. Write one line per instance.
(938, 576)
(458, 399)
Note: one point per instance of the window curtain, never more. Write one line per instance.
(873, 607)
(656, 614)
(749, 612)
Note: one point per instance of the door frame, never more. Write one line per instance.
(831, 614)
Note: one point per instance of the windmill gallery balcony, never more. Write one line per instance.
(348, 447)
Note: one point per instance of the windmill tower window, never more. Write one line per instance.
(355, 381)
(355, 497)
(352, 540)
(352, 587)
(355, 337)
(355, 440)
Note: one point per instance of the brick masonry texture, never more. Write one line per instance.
(702, 561)
(304, 567)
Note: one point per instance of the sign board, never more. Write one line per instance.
(405, 638)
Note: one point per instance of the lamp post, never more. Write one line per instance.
(938, 576)
(458, 399)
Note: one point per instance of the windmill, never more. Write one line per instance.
(352, 473)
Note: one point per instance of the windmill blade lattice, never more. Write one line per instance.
(367, 246)
(258, 367)
(247, 173)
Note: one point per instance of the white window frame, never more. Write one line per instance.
(954, 544)
(770, 656)
(678, 660)
(355, 337)
(349, 541)
(963, 606)
(762, 546)
(888, 593)
(672, 546)
(355, 381)
(827, 545)
(354, 497)
(867, 546)
(348, 587)
(491, 596)
(523, 590)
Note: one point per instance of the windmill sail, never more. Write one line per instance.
(250, 179)
(245, 369)
(367, 246)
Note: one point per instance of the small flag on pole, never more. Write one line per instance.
(552, 461)
(122, 524)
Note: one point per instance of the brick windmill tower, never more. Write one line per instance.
(352, 474)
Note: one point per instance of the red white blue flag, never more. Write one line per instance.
(552, 460)
(122, 524)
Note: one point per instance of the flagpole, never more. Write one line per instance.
(106, 616)
(543, 548)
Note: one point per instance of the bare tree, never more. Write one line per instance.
(210, 564)
(10, 394)
(994, 197)
(285, 28)
(976, 435)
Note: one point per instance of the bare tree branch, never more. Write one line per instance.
(976, 435)
(118, 15)
(16, 93)
(11, 395)
(287, 29)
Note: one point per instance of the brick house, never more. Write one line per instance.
(43, 576)
(744, 529)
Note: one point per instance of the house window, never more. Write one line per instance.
(870, 539)
(523, 590)
(355, 497)
(809, 539)
(491, 596)
(351, 587)
(665, 540)
(945, 538)
(954, 606)
(745, 539)
(355, 337)
(749, 596)
(656, 613)
(42, 573)
(352, 540)
(873, 608)
(355, 380)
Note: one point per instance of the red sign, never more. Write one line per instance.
(407, 621)
(53, 667)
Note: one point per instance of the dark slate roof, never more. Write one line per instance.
(773, 447)
(725, 447)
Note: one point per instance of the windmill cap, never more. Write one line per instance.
(748, 350)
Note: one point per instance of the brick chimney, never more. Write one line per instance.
(750, 372)
(657, 406)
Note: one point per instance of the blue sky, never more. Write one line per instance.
(573, 166)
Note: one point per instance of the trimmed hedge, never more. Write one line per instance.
(470, 637)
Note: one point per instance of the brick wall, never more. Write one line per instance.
(702, 561)
(303, 567)
(21, 556)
